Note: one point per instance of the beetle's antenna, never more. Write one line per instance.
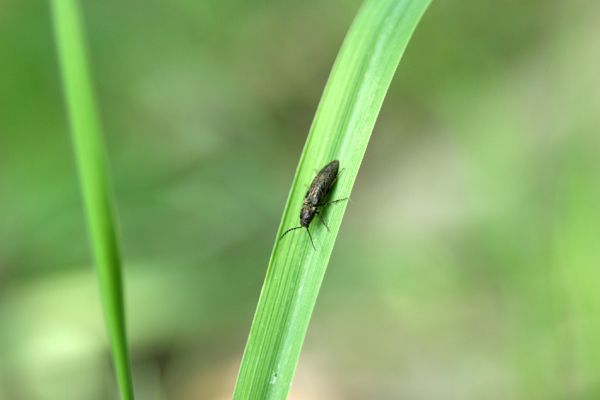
(288, 231)
(310, 237)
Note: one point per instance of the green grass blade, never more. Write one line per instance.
(341, 129)
(89, 150)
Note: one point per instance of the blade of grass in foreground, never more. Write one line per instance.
(89, 150)
(341, 129)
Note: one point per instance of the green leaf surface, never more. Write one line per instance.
(341, 129)
(93, 175)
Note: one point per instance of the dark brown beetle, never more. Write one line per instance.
(316, 197)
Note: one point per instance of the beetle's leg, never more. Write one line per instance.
(322, 220)
(338, 175)
(332, 202)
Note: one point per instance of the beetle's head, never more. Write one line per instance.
(306, 215)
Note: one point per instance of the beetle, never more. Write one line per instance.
(316, 197)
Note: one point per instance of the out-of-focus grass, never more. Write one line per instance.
(93, 173)
(453, 266)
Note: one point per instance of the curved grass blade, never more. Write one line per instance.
(341, 129)
(91, 162)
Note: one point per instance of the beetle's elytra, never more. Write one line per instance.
(316, 196)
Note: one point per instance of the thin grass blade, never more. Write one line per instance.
(89, 150)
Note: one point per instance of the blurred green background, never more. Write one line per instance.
(468, 263)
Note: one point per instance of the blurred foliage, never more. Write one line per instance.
(467, 263)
